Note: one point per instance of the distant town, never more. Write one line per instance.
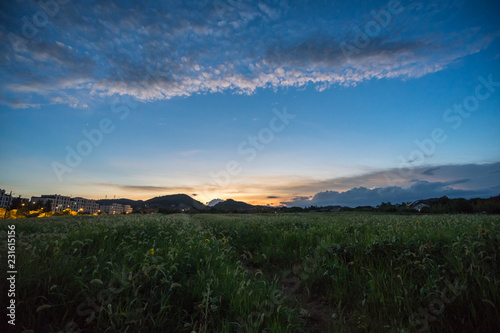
(59, 203)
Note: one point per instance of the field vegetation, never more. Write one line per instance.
(322, 272)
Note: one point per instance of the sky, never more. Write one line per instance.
(274, 102)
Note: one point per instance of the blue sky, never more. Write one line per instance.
(269, 102)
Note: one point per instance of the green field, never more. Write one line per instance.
(331, 272)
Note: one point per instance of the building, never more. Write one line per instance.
(82, 205)
(420, 206)
(58, 202)
(114, 208)
(5, 199)
(127, 209)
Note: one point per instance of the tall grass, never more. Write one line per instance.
(342, 272)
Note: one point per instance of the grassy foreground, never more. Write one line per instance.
(339, 272)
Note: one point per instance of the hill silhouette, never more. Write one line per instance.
(183, 202)
(122, 201)
(231, 205)
(173, 202)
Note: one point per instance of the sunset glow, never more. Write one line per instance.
(272, 102)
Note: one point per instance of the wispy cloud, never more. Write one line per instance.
(188, 153)
(146, 188)
(430, 171)
(92, 50)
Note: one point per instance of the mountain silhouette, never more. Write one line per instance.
(233, 205)
(166, 202)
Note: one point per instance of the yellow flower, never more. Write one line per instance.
(152, 251)
(417, 223)
(223, 240)
(482, 231)
(207, 240)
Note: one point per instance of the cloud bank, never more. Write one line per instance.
(362, 196)
(462, 181)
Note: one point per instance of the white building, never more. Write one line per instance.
(5, 199)
(127, 209)
(114, 208)
(420, 206)
(82, 205)
(58, 202)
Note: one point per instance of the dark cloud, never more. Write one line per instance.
(300, 199)
(323, 51)
(272, 197)
(430, 171)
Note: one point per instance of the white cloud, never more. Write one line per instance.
(155, 52)
(471, 180)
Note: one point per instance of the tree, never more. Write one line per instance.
(462, 206)
(16, 203)
(48, 206)
(36, 206)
